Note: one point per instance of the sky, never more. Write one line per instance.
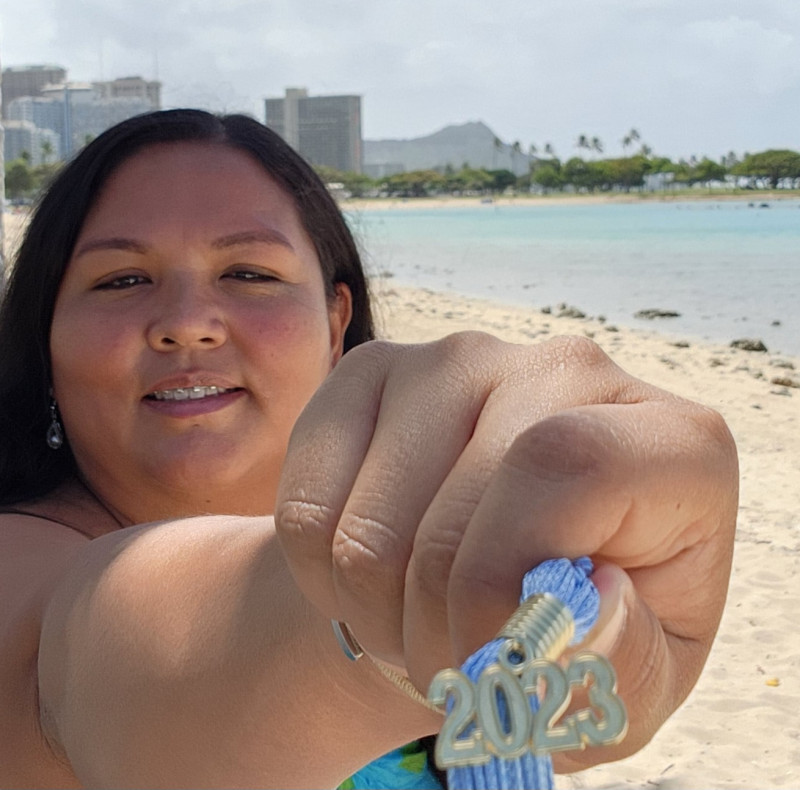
(693, 77)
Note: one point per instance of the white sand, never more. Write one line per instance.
(740, 727)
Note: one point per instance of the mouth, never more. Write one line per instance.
(191, 393)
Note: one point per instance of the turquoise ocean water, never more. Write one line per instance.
(730, 268)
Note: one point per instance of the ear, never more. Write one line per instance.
(340, 311)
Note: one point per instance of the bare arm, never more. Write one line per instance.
(420, 484)
(183, 655)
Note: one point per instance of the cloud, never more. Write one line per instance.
(745, 54)
(690, 74)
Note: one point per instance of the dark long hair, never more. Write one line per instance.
(28, 468)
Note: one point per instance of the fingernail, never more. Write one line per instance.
(615, 587)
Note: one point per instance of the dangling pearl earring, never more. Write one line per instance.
(55, 433)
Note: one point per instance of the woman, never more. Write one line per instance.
(184, 289)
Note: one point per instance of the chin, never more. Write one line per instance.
(219, 484)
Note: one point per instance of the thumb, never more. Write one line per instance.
(617, 595)
(629, 634)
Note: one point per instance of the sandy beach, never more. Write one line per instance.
(740, 728)
(587, 199)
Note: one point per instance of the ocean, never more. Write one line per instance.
(731, 269)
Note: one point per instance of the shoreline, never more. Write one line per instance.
(436, 313)
(669, 328)
(449, 201)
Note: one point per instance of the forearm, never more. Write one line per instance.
(183, 655)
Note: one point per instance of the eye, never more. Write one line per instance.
(122, 282)
(250, 276)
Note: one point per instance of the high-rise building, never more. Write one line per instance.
(29, 81)
(41, 145)
(130, 88)
(326, 130)
(45, 112)
(75, 111)
(85, 112)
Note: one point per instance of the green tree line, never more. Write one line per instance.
(768, 169)
(24, 180)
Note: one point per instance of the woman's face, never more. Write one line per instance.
(191, 328)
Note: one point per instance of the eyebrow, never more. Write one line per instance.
(114, 243)
(261, 236)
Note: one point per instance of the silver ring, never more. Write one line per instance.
(346, 640)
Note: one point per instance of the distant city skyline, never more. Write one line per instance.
(699, 77)
(49, 116)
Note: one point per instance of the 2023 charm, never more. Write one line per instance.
(516, 704)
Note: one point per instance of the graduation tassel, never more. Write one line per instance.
(504, 704)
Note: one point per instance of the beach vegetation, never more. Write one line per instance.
(417, 183)
(24, 180)
(641, 172)
(773, 166)
(548, 176)
(502, 180)
(630, 138)
(707, 172)
(355, 184)
(19, 179)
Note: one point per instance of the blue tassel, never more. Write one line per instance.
(569, 582)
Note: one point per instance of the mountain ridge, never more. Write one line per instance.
(455, 145)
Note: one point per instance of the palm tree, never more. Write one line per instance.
(597, 145)
(516, 150)
(498, 143)
(47, 150)
(583, 142)
(549, 150)
(630, 138)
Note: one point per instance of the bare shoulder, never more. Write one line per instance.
(34, 554)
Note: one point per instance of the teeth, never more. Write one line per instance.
(189, 393)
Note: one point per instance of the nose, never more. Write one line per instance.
(187, 316)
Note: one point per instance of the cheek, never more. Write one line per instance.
(86, 353)
(293, 338)
(292, 358)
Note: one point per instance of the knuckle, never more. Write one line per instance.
(714, 428)
(433, 561)
(566, 371)
(372, 353)
(468, 354)
(712, 442)
(466, 342)
(365, 555)
(364, 366)
(302, 522)
(577, 350)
